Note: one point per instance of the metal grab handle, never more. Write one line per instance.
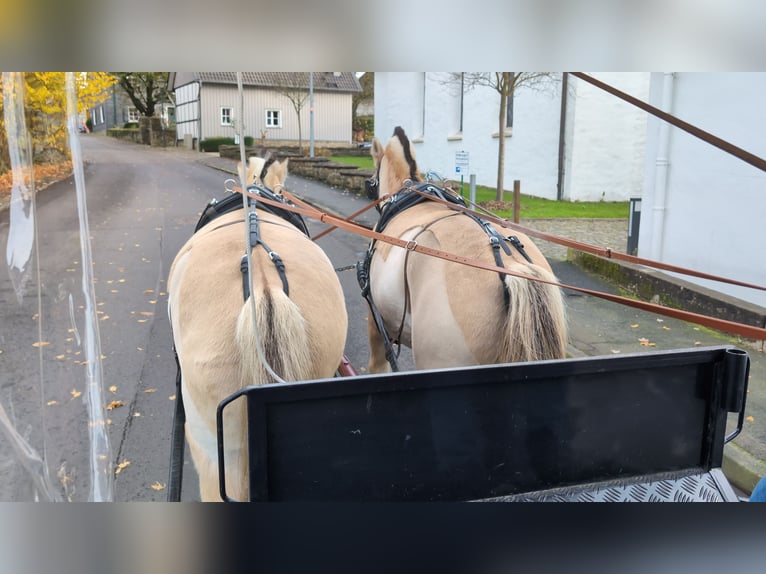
(221, 456)
(736, 376)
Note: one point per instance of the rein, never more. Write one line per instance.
(727, 326)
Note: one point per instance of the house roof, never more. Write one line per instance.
(323, 81)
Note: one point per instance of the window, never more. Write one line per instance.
(421, 102)
(273, 119)
(509, 104)
(226, 117)
(456, 91)
(133, 115)
(101, 114)
(509, 111)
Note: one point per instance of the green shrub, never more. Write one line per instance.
(212, 144)
(89, 124)
(130, 125)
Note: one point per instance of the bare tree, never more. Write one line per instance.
(145, 89)
(505, 84)
(295, 87)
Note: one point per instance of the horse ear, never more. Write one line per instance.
(246, 177)
(277, 174)
(376, 150)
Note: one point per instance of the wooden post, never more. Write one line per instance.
(516, 199)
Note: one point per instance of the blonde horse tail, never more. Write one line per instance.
(536, 323)
(282, 336)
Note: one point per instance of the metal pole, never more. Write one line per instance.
(472, 188)
(311, 114)
(516, 199)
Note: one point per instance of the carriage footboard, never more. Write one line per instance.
(644, 426)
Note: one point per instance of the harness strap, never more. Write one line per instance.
(176, 471)
(255, 240)
(363, 277)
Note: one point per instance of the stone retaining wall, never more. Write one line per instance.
(339, 175)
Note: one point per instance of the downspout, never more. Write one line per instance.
(199, 115)
(661, 170)
(562, 134)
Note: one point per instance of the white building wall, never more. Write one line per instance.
(714, 206)
(607, 138)
(604, 138)
(398, 101)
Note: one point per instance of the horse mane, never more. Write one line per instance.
(399, 133)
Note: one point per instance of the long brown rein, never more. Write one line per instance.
(727, 326)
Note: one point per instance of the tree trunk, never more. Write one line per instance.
(501, 138)
(300, 135)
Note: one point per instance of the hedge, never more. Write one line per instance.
(212, 144)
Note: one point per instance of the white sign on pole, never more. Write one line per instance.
(461, 162)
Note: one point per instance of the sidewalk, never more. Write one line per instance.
(598, 327)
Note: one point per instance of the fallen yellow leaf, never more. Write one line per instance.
(172, 397)
(749, 419)
(148, 290)
(634, 326)
(114, 405)
(51, 403)
(61, 357)
(40, 344)
(113, 389)
(75, 393)
(124, 464)
(158, 486)
(150, 391)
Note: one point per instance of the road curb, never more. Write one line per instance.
(741, 468)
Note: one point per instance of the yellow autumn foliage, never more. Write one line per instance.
(45, 107)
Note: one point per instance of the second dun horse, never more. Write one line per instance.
(298, 320)
(448, 313)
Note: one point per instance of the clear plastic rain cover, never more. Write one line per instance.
(54, 416)
(71, 378)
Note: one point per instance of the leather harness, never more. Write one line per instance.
(233, 202)
(410, 195)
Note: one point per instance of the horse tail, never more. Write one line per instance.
(282, 336)
(536, 321)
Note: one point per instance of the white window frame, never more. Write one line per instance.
(101, 114)
(270, 118)
(227, 112)
(133, 115)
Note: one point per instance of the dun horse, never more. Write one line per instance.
(299, 322)
(448, 313)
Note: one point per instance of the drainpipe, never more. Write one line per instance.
(562, 135)
(661, 170)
